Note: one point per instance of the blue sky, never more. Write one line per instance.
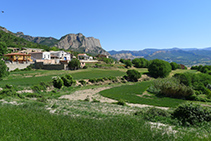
(119, 24)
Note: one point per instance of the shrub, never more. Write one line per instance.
(140, 63)
(8, 90)
(3, 69)
(92, 80)
(85, 67)
(57, 82)
(192, 114)
(128, 63)
(83, 82)
(155, 112)
(121, 102)
(159, 68)
(133, 75)
(171, 87)
(174, 65)
(184, 78)
(68, 80)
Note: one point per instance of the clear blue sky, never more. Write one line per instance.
(119, 24)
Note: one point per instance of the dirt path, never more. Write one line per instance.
(89, 94)
(94, 94)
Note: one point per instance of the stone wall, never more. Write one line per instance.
(40, 65)
(13, 66)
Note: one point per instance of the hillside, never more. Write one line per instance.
(75, 42)
(12, 41)
(183, 56)
(49, 41)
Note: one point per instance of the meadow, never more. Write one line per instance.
(51, 118)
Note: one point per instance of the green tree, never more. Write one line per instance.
(174, 65)
(133, 75)
(3, 69)
(128, 63)
(3, 49)
(74, 64)
(159, 68)
(140, 63)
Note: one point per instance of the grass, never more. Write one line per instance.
(133, 94)
(27, 122)
(30, 78)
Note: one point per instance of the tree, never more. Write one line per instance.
(3, 49)
(140, 63)
(128, 63)
(174, 65)
(133, 75)
(159, 68)
(74, 64)
(3, 69)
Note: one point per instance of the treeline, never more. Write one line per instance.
(157, 68)
(203, 69)
(13, 41)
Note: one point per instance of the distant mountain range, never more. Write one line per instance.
(75, 42)
(187, 56)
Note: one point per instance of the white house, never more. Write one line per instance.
(61, 55)
(40, 55)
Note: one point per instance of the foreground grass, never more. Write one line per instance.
(134, 94)
(27, 122)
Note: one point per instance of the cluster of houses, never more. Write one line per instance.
(38, 56)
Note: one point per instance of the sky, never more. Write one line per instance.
(118, 24)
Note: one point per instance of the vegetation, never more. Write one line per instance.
(74, 64)
(159, 68)
(12, 41)
(133, 75)
(175, 66)
(171, 87)
(140, 63)
(3, 69)
(192, 114)
(57, 82)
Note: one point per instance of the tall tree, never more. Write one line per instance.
(3, 49)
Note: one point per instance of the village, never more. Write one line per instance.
(48, 60)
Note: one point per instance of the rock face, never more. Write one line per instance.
(78, 42)
(125, 56)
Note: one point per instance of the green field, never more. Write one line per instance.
(30, 78)
(132, 94)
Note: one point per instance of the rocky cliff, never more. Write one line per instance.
(78, 42)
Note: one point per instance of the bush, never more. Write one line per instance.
(155, 112)
(174, 65)
(121, 102)
(68, 80)
(140, 63)
(92, 80)
(85, 67)
(171, 87)
(3, 69)
(128, 63)
(184, 78)
(192, 114)
(83, 82)
(133, 75)
(159, 68)
(57, 82)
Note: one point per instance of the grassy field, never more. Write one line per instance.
(34, 123)
(134, 94)
(30, 78)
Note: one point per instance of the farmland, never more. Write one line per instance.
(47, 116)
